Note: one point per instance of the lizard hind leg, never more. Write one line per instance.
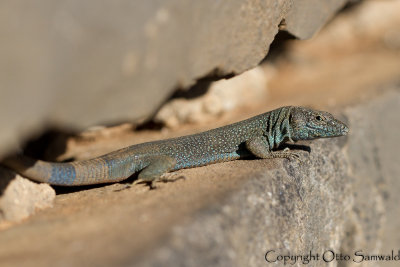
(159, 166)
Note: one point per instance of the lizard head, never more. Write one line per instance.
(310, 124)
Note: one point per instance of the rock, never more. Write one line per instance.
(343, 198)
(247, 89)
(20, 197)
(373, 151)
(79, 64)
(307, 17)
(293, 208)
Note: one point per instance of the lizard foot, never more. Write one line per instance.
(138, 181)
(146, 181)
(165, 178)
(295, 156)
(171, 177)
(287, 154)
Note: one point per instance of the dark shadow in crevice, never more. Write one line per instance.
(48, 145)
(198, 89)
(6, 176)
(201, 86)
(278, 47)
(149, 125)
(350, 6)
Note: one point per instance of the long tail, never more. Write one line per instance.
(94, 171)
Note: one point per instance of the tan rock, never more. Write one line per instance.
(20, 197)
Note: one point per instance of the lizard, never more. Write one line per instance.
(259, 136)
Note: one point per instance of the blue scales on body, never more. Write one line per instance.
(258, 136)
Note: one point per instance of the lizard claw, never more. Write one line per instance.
(292, 155)
(152, 183)
(166, 178)
(137, 181)
(295, 156)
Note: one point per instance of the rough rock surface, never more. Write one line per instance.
(20, 197)
(351, 183)
(341, 197)
(344, 196)
(78, 63)
(373, 154)
(247, 89)
(303, 19)
(276, 209)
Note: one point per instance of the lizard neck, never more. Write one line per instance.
(278, 128)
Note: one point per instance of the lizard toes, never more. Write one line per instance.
(166, 178)
(295, 156)
(153, 184)
(171, 177)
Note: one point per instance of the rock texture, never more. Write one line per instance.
(77, 64)
(20, 197)
(276, 210)
(341, 197)
(373, 153)
(308, 16)
(244, 90)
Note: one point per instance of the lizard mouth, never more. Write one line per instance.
(312, 127)
(340, 131)
(345, 130)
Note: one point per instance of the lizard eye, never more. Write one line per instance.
(319, 118)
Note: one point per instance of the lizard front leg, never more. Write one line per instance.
(259, 147)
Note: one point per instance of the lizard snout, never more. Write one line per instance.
(343, 128)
